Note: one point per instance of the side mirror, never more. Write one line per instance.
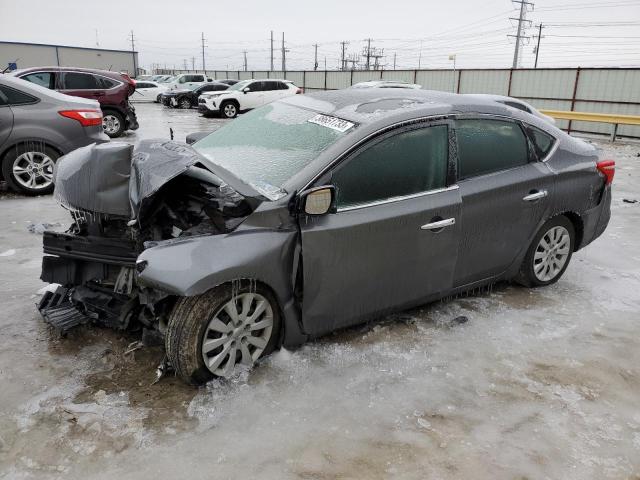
(246, 89)
(318, 200)
(209, 80)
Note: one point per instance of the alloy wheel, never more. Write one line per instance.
(238, 333)
(33, 170)
(230, 110)
(551, 253)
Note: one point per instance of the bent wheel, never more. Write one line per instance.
(215, 333)
(549, 254)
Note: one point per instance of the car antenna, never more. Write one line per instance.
(171, 132)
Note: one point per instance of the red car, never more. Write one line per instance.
(111, 89)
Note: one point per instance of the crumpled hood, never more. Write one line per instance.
(116, 179)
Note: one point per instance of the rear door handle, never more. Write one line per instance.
(439, 224)
(536, 195)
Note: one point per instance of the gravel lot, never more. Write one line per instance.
(538, 384)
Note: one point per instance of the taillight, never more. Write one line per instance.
(300, 90)
(608, 169)
(87, 118)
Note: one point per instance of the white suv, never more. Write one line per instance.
(245, 95)
(187, 80)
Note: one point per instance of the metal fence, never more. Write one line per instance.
(598, 90)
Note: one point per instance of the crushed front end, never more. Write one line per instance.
(122, 202)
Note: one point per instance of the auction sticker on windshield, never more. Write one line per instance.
(331, 122)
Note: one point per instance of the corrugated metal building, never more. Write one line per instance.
(36, 54)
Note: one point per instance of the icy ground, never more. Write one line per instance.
(538, 384)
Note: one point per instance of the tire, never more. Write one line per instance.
(113, 123)
(159, 99)
(190, 326)
(553, 245)
(36, 162)
(229, 109)
(184, 103)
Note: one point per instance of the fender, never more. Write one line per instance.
(189, 267)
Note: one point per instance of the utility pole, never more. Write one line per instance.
(315, 56)
(368, 53)
(204, 65)
(343, 64)
(184, 64)
(325, 64)
(420, 56)
(284, 55)
(538, 45)
(133, 54)
(394, 60)
(193, 63)
(272, 50)
(519, 36)
(245, 60)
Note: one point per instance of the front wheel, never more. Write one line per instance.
(214, 333)
(29, 169)
(228, 110)
(113, 124)
(184, 103)
(549, 254)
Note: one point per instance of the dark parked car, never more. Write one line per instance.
(186, 97)
(314, 213)
(228, 81)
(111, 89)
(37, 126)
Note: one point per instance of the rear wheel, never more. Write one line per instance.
(212, 334)
(549, 254)
(113, 123)
(29, 168)
(229, 109)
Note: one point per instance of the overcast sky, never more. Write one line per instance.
(425, 32)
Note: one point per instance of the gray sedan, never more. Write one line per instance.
(315, 213)
(37, 126)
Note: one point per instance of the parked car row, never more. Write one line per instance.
(188, 97)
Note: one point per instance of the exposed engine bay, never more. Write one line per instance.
(123, 201)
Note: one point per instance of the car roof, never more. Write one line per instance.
(374, 105)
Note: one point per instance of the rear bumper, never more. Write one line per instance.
(595, 220)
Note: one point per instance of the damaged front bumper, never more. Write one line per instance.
(123, 202)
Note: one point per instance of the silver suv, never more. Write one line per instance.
(38, 126)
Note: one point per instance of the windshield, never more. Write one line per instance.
(239, 85)
(269, 145)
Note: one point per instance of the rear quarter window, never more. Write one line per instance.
(16, 97)
(542, 142)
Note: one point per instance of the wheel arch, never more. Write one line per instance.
(578, 227)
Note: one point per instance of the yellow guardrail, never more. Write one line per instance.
(612, 118)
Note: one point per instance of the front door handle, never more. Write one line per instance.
(439, 224)
(535, 195)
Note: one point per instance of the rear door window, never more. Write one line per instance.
(79, 81)
(44, 79)
(402, 164)
(487, 145)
